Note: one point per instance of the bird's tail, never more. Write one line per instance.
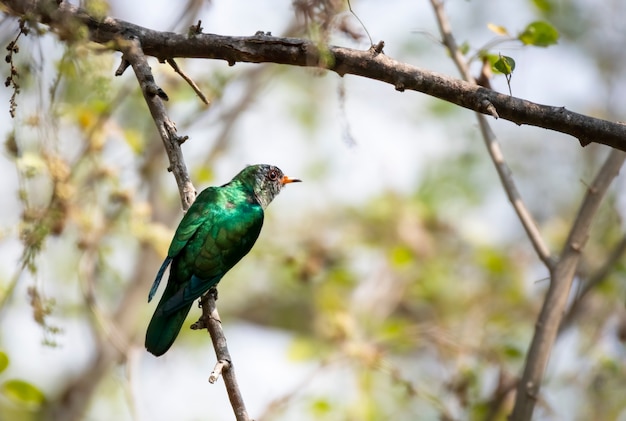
(164, 328)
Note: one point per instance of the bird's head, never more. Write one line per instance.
(266, 181)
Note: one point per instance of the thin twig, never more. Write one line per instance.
(187, 79)
(513, 194)
(493, 146)
(562, 276)
(599, 276)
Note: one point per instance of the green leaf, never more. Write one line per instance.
(540, 34)
(504, 65)
(23, 393)
(135, 140)
(203, 174)
(321, 407)
(302, 349)
(464, 48)
(401, 256)
(4, 361)
(544, 5)
(512, 351)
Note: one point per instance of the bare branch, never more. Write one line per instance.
(211, 321)
(154, 97)
(513, 194)
(187, 79)
(593, 281)
(562, 273)
(372, 64)
(562, 276)
(493, 146)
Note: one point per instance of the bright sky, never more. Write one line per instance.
(394, 139)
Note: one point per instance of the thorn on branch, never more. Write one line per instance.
(181, 140)
(489, 108)
(124, 64)
(378, 48)
(195, 29)
(153, 90)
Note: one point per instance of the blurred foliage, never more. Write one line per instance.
(409, 302)
(540, 34)
(19, 399)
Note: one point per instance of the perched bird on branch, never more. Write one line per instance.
(219, 229)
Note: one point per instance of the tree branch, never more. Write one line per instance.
(210, 320)
(561, 276)
(372, 64)
(493, 146)
(187, 79)
(167, 130)
(154, 97)
(593, 281)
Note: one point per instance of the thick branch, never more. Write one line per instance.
(561, 281)
(297, 52)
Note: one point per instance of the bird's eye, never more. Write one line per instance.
(273, 175)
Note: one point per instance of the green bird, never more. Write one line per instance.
(219, 229)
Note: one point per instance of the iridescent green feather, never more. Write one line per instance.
(218, 230)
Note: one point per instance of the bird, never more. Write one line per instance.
(218, 230)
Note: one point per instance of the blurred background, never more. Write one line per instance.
(395, 282)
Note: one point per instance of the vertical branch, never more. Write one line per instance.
(154, 96)
(210, 320)
(562, 271)
(562, 276)
(493, 146)
(593, 281)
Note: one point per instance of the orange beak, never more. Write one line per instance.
(287, 180)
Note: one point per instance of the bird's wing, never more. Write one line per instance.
(188, 226)
(197, 214)
(218, 244)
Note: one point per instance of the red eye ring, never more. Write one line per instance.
(273, 174)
